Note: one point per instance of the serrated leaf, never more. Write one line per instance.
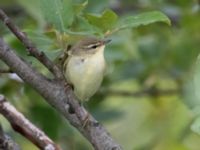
(82, 27)
(105, 21)
(44, 42)
(59, 13)
(142, 19)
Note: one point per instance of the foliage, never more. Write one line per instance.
(139, 57)
(62, 15)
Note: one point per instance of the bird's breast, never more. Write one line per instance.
(86, 74)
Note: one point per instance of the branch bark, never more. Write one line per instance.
(31, 49)
(22, 125)
(60, 97)
(6, 143)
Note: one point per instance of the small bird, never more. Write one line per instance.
(85, 67)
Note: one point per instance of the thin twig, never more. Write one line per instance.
(32, 50)
(22, 125)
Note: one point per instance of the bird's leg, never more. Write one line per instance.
(86, 121)
(68, 86)
(86, 118)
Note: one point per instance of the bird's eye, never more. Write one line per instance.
(94, 47)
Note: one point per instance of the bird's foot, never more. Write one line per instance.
(69, 86)
(86, 120)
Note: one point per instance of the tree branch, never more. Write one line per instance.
(61, 98)
(45, 87)
(22, 125)
(6, 143)
(32, 50)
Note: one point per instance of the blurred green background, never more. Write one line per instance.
(147, 100)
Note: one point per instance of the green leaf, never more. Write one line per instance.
(82, 27)
(59, 13)
(105, 21)
(195, 127)
(40, 39)
(142, 19)
(33, 8)
(78, 8)
(193, 91)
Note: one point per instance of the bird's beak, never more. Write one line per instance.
(106, 41)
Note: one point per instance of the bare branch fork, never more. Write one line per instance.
(54, 91)
(22, 125)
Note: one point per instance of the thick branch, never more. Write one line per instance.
(25, 127)
(6, 143)
(32, 50)
(55, 92)
(59, 97)
(45, 87)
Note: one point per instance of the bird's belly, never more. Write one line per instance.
(86, 75)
